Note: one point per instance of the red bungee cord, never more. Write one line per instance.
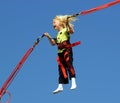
(3, 90)
(84, 12)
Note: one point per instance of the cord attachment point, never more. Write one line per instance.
(38, 40)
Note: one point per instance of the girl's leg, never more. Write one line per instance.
(68, 56)
(63, 76)
(62, 79)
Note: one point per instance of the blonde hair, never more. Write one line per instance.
(63, 19)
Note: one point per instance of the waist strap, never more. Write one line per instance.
(66, 44)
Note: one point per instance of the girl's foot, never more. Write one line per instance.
(59, 89)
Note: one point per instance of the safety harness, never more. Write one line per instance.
(67, 46)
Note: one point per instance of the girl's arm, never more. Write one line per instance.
(52, 41)
(69, 27)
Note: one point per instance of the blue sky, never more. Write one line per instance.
(96, 60)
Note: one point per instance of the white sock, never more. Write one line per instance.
(59, 89)
(73, 83)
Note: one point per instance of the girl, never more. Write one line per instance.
(65, 56)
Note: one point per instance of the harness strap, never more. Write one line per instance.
(73, 44)
(62, 67)
(67, 59)
(66, 44)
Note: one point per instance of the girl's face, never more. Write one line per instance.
(56, 24)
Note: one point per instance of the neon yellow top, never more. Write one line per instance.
(62, 36)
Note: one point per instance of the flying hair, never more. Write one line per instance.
(65, 18)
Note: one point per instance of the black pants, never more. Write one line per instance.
(65, 66)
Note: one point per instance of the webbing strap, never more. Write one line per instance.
(67, 59)
(65, 44)
(62, 67)
(73, 44)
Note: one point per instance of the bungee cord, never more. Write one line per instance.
(84, 12)
(3, 90)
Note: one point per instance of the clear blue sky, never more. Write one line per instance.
(96, 60)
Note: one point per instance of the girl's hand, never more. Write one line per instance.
(52, 41)
(46, 34)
